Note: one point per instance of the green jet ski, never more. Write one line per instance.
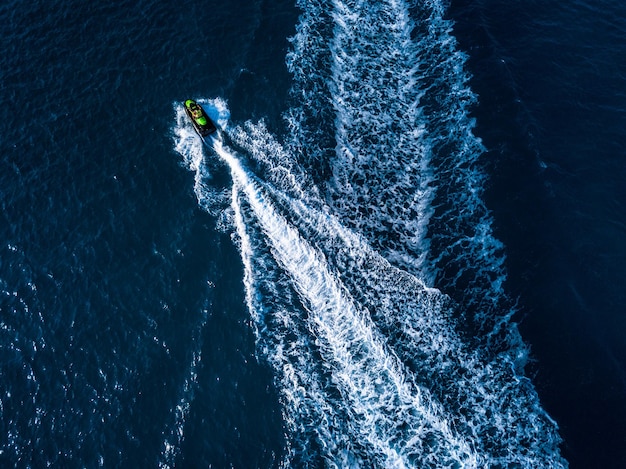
(201, 122)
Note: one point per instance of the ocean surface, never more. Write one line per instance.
(404, 247)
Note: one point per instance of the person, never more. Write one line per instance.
(194, 109)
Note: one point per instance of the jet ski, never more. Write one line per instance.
(200, 120)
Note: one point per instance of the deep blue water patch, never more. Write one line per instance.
(551, 113)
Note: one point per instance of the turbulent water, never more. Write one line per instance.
(334, 278)
(342, 235)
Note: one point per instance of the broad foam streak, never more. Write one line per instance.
(381, 104)
(359, 85)
(382, 182)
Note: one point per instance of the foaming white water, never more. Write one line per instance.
(382, 156)
(369, 366)
(381, 182)
(373, 382)
(385, 81)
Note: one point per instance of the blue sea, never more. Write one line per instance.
(404, 247)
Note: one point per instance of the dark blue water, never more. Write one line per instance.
(403, 248)
(552, 108)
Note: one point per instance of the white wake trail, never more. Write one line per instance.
(369, 377)
(370, 368)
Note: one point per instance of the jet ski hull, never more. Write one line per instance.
(199, 118)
